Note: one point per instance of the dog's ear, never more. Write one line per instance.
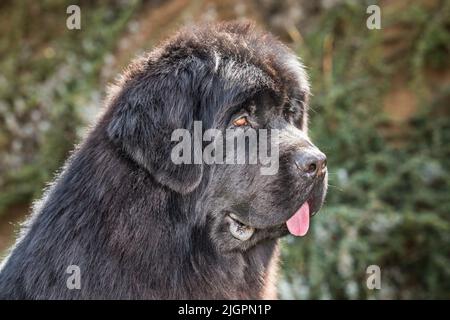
(150, 106)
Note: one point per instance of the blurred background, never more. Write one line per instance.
(380, 111)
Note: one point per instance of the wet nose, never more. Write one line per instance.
(311, 162)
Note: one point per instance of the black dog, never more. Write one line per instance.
(138, 225)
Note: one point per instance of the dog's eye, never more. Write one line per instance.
(239, 122)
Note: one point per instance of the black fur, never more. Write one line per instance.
(141, 227)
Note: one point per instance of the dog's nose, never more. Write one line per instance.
(311, 162)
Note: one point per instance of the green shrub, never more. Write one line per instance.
(49, 81)
(388, 202)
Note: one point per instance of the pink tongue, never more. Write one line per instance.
(298, 224)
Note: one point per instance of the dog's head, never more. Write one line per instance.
(236, 82)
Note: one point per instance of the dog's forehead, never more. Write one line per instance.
(242, 58)
(235, 73)
(284, 75)
(299, 76)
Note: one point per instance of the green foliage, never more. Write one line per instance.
(48, 81)
(388, 203)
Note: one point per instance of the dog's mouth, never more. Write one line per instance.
(297, 224)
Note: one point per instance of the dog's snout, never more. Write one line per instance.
(311, 162)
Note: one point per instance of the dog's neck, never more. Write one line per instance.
(249, 274)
